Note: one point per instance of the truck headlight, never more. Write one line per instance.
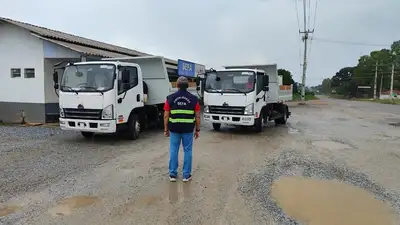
(249, 110)
(108, 113)
(206, 109)
(62, 112)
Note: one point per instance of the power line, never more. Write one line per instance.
(315, 13)
(297, 15)
(347, 42)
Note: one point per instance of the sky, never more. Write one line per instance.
(225, 32)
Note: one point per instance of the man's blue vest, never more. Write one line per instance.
(182, 115)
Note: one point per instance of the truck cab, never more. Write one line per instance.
(243, 96)
(112, 95)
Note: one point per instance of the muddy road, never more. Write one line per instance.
(52, 177)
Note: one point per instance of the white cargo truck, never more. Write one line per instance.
(114, 94)
(249, 95)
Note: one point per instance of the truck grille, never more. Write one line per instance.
(233, 110)
(89, 114)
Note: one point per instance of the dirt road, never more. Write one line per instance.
(52, 177)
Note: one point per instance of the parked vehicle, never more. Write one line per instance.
(112, 95)
(245, 96)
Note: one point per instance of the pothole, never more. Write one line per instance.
(293, 130)
(331, 145)
(301, 199)
(257, 190)
(7, 210)
(67, 205)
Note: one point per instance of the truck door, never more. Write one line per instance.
(131, 97)
(259, 86)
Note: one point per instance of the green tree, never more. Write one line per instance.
(326, 86)
(346, 80)
(287, 76)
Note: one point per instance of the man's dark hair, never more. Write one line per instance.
(182, 83)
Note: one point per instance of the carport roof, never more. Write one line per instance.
(80, 44)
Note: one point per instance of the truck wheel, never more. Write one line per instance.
(217, 126)
(87, 135)
(283, 119)
(133, 127)
(259, 123)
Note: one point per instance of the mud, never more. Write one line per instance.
(331, 145)
(290, 210)
(329, 202)
(233, 170)
(7, 210)
(66, 206)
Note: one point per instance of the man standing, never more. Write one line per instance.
(181, 116)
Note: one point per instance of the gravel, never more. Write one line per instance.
(256, 188)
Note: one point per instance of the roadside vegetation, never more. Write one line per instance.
(358, 82)
(308, 96)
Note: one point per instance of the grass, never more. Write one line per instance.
(382, 101)
(387, 101)
(297, 97)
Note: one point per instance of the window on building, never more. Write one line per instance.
(29, 73)
(15, 72)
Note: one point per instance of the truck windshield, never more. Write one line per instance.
(88, 78)
(230, 81)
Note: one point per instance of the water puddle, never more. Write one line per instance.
(331, 145)
(7, 210)
(67, 205)
(293, 130)
(329, 202)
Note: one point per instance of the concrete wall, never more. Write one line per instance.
(19, 49)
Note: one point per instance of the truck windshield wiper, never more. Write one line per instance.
(93, 88)
(69, 88)
(234, 89)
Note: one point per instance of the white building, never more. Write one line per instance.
(28, 54)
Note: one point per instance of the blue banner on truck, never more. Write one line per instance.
(186, 68)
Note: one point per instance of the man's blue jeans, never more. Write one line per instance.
(174, 143)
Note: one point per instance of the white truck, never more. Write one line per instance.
(249, 95)
(114, 94)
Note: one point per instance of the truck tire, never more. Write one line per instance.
(217, 126)
(133, 127)
(259, 123)
(283, 119)
(87, 135)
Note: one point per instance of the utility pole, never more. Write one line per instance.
(305, 38)
(380, 90)
(391, 81)
(376, 76)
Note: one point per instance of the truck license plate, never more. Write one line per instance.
(225, 118)
(81, 124)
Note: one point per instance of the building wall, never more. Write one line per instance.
(19, 49)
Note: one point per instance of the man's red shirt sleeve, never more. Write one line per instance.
(167, 106)
(197, 108)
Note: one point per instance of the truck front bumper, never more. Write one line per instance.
(238, 120)
(96, 126)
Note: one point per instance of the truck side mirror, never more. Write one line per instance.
(197, 81)
(55, 80)
(265, 88)
(55, 77)
(266, 80)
